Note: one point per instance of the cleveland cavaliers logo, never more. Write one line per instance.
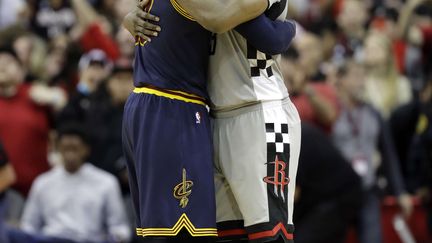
(183, 190)
(278, 179)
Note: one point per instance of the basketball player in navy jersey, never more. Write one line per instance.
(166, 131)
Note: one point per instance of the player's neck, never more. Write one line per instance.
(73, 169)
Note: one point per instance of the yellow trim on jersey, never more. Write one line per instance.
(183, 222)
(151, 6)
(181, 10)
(184, 93)
(170, 96)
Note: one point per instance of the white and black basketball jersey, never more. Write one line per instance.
(240, 75)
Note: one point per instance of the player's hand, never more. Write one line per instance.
(50, 96)
(140, 23)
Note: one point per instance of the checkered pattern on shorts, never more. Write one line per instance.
(277, 137)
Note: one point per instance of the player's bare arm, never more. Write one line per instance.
(275, 35)
(220, 16)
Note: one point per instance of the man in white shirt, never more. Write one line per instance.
(76, 202)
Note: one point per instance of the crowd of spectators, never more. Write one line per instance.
(359, 72)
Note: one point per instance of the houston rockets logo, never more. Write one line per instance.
(278, 179)
(183, 190)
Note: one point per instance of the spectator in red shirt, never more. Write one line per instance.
(24, 125)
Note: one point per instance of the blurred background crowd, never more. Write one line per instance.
(359, 72)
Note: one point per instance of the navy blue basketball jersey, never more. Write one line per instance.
(178, 58)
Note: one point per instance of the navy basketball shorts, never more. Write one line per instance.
(168, 148)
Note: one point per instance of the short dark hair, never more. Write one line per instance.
(75, 129)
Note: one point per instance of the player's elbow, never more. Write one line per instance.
(277, 46)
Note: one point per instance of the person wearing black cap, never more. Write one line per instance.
(94, 67)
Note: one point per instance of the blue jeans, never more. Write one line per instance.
(369, 227)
